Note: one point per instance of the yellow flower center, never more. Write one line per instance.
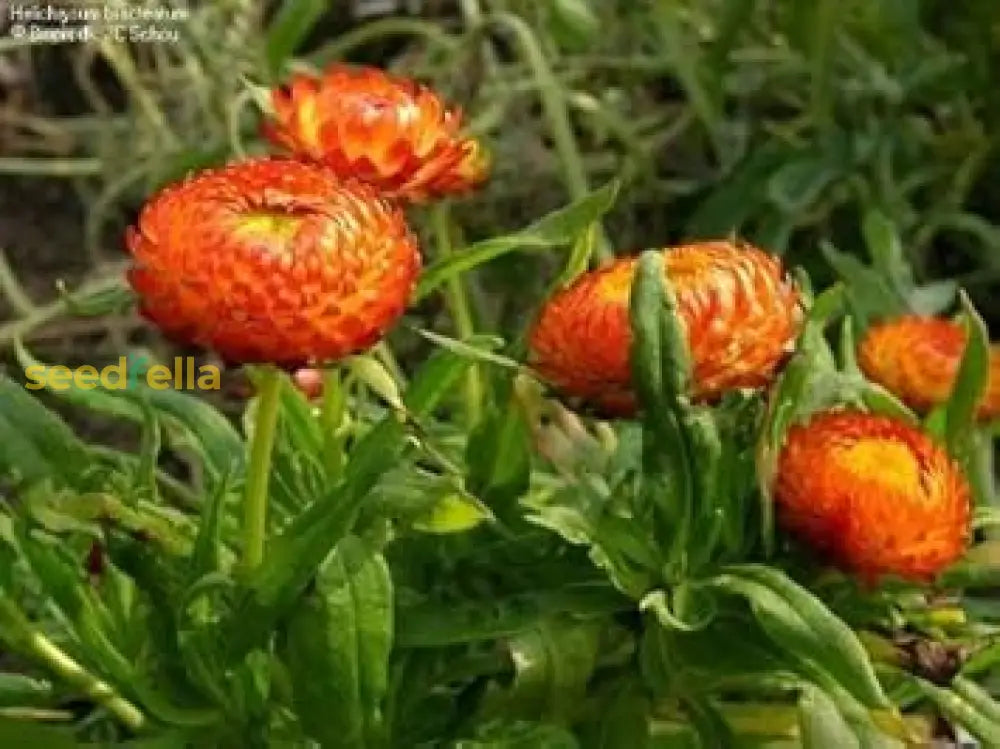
(272, 229)
(888, 463)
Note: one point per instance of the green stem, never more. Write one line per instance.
(35, 714)
(332, 414)
(46, 313)
(268, 385)
(19, 633)
(461, 311)
(51, 167)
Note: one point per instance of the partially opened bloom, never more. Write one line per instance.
(391, 132)
(740, 312)
(873, 494)
(271, 260)
(918, 358)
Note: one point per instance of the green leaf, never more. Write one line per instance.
(30, 735)
(708, 722)
(659, 603)
(207, 550)
(436, 624)
(977, 697)
(478, 348)
(556, 229)
(661, 364)
(801, 624)
(797, 395)
(35, 443)
(661, 371)
(970, 385)
(739, 196)
(887, 252)
(210, 433)
(291, 25)
(573, 23)
(498, 454)
(798, 184)
(872, 295)
(552, 665)
(624, 721)
(821, 723)
(337, 645)
(984, 727)
(188, 418)
(299, 474)
(19, 690)
(519, 735)
(732, 649)
(103, 296)
(453, 513)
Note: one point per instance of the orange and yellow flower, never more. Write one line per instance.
(366, 124)
(918, 358)
(740, 312)
(272, 260)
(875, 495)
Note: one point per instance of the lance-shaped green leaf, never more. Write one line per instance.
(661, 373)
(984, 725)
(796, 396)
(498, 454)
(970, 385)
(336, 647)
(559, 228)
(187, 416)
(802, 625)
(36, 444)
(887, 253)
(821, 724)
(291, 25)
(661, 364)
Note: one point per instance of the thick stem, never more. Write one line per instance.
(268, 385)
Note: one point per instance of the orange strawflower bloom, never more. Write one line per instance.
(740, 311)
(918, 358)
(272, 260)
(873, 494)
(366, 124)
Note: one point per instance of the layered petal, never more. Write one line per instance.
(740, 312)
(365, 124)
(874, 495)
(272, 260)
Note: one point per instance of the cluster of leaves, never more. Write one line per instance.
(513, 577)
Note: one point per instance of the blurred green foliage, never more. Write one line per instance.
(785, 121)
